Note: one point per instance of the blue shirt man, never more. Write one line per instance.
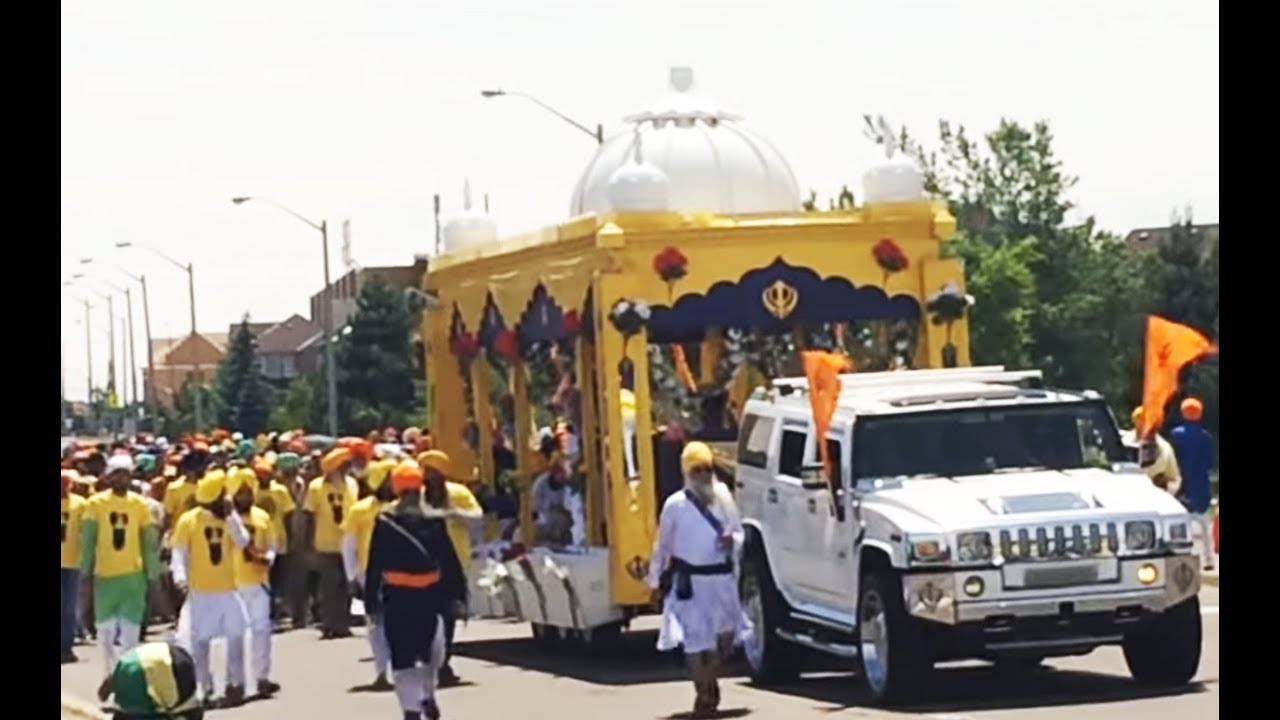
(1193, 446)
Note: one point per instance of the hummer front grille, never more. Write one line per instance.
(1059, 542)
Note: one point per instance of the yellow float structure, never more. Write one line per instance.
(687, 229)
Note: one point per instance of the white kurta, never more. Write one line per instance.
(715, 607)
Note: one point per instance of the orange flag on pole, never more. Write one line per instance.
(1170, 346)
(822, 369)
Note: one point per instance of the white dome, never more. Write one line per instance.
(711, 162)
(468, 228)
(638, 186)
(896, 181)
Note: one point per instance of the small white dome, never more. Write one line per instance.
(639, 186)
(469, 228)
(894, 182)
(710, 161)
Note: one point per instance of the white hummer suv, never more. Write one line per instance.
(973, 514)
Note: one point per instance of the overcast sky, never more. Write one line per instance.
(362, 110)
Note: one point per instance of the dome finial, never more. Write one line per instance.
(638, 155)
(682, 79)
(466, 193)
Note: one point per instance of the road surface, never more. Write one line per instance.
(507, 675)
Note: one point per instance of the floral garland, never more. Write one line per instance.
(507, 345)
(630, 317)
(946, 307)
(891, 259)
(671, 265)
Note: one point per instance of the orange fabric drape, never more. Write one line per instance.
(682, 367)
(823, 369)
(1170, 346)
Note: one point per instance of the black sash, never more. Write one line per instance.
(679, 572)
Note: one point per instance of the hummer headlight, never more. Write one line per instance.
(927, 549)
(1140, 535)
(973, 547)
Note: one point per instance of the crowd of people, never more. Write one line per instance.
(232, 536)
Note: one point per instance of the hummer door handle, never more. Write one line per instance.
(813, 505)
(772, 495)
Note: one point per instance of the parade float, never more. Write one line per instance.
(689, 272)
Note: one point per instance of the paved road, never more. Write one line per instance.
(510, 676)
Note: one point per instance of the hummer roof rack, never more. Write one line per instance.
(992, 374)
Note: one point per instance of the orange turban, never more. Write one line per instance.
(406, 477)
(336, 458)
(1192, 409)
(263, 468)
(436, 460)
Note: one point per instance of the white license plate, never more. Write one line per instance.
(1055, 574)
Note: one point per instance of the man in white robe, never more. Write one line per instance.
(693, 566)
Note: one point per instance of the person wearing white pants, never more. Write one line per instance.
(204, 543)
(253, 571)
(357, 529)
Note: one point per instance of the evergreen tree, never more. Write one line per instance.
(244, 396)
(375, 361)
(298, 407)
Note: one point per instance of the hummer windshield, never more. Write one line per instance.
(979, 441)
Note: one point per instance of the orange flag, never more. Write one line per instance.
(1170, 346)
(823, 369)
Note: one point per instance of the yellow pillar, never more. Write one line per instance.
(628, 535)
(709, 357)
(483, 411)
(937, 274)
(524, 469)
(589, 434)
(446, 388)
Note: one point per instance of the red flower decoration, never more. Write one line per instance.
(670, 264)
(465, 346)
(507, 345)
(889, 256)
(571, 323)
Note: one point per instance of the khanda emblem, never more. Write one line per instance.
(214, 536)
(780, 299)
(638, 568)
(335, 504)
(267, 503)
(66, 517)
(119, 525)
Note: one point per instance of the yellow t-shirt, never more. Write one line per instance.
(277, 502)
(330, 505)
(72, 512)
(262, 536)
(207, 542)
(460, 529)
(179, 497)
(360, 523)
(121, 520)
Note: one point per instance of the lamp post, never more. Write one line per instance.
(131, 358)
(88, 349)
(330, 362)
(189, 269)
(598, 133)
(148, 388)
(111, 338)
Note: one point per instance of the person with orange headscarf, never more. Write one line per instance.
(330, 498)
(1155, 455)
(412, 579)
(1193, 446)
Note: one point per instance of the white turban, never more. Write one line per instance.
(120, 462)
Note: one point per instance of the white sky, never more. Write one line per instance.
(362, 110)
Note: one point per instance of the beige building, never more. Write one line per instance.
(346, 289)
(177, 360)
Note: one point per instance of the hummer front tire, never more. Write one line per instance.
(770, 659)
(1166, 650)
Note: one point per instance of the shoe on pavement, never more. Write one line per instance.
(412, 716)
(447, 678)
(430, 710)
(343, 634)
(382, 684)
(105, 689)
(267, 688)
(69, 656)
(234, 696)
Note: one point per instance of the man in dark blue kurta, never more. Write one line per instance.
(413, 579)
(1193, 446)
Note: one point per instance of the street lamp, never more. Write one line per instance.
(88, 347)
(132, 359)
(598, 133)
(150, 395)
(331, 365)
(189, 269)
(111, 335)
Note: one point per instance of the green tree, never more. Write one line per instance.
(375, 362)
(245, 397)
(181, 416)
(297, 408)
(1065, 298)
